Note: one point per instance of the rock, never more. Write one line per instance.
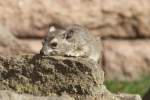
(9, 45)
(110, 18)
(129, 97)
(102, 94)
(126, 60)
(47, 77)
(8, 95)
(147, 95)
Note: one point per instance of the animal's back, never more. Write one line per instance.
(89, 41)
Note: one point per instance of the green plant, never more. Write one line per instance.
(135, 87)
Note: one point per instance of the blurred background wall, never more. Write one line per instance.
(124, 26)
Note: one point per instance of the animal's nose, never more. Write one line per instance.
(42, 52)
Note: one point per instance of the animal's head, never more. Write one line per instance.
(58, 41)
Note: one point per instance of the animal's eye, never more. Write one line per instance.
(54, 44)
(69, 34)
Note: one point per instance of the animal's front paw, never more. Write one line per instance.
(76, 54)
(72, 54)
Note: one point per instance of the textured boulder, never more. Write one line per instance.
(126, 60)
(48, 77)
(147, 95)
(30, 18)
(128, 97)
(45, 75)
(8, 95)
(9, 45)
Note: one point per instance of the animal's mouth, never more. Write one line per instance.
(53, 53)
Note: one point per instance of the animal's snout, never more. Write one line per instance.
(45, 51)
(42, 52)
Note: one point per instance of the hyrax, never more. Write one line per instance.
(74, 41)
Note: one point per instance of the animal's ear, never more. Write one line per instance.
(69, 34)
(52, 28)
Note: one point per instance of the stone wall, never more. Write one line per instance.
(122, 24)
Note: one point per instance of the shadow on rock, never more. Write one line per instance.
(147, 96)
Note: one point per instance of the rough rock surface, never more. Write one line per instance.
(28, 18)
(147, 95)
(46, 76)
(8, 95)
(126, 60)
(128, 97)
(9, 45)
